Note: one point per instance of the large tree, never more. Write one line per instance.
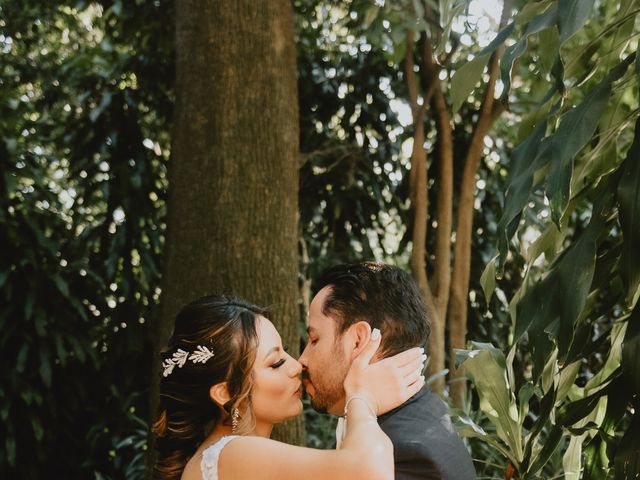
(233, 174)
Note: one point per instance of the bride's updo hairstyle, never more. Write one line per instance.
(226, 327)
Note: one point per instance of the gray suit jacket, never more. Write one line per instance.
(425, 443)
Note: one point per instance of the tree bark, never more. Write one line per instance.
(233, 175)
(420, 206)
(464, 227)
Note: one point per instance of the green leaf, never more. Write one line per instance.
(528, 157)
(572, 458)
(548, 447)
(10, 446)
(62, 285)
(576, 129)
(631, 351)
(629, 198)
(530, 10)
(21, 359)
(466, 427)
(488, 279)
(548, 48)
(465, 79)
(486, 366)
(513, 52)
(572, 15)
(45, 368)
(547, 301)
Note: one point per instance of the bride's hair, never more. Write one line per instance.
(220, 325)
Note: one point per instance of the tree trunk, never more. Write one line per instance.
(464, 228)
(233, 175)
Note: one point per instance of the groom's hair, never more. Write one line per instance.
(384, 296)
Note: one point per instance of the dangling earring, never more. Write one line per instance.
(235, 418)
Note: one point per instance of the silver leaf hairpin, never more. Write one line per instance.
(180, 357)
(201, 355)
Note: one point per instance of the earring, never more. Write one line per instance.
(235, 418)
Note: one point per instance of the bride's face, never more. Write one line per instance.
(276, 391)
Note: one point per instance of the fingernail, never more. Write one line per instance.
(422, 377)
(375, 334)
(424, 357)
(421, 349)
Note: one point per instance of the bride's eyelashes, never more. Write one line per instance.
(278, 364)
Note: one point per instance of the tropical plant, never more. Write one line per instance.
(569, 381)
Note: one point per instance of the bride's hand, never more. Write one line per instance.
(388, 383)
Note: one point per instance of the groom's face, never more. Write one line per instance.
(324, 360)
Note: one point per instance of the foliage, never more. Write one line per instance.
(82, 156)
(576, 311)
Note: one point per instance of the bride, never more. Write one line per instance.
(227, 380)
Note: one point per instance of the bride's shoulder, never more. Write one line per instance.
(203, 465)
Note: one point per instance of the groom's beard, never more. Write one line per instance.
(327, 382)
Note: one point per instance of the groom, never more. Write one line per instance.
(425, 443)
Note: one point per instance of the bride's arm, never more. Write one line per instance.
(366, 452)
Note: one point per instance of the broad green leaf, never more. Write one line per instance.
(547, 300)
(465, 79)
(488, 279)
(612, 362)
(572, 458)
(548, 377)
(568, 376)
(486, 366)
(513, 52)
(549, 446)
(528, 157)
(548, 49)
(548, 243)
(631, 351)
(576, 129)
(467, 76)
(524, 396)
(468, 428)
(572, 15)
(629, 198)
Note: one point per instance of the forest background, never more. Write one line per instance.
(492, 149)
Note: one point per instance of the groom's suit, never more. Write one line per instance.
(425, 444)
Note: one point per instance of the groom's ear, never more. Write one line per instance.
(361, 334)
(219, 393)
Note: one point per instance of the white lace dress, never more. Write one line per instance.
(209, 464)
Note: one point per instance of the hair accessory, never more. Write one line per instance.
(200, 355)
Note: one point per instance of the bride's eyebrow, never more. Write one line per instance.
(274, 349)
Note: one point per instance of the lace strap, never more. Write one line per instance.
(209, 464)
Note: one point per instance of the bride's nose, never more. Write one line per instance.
(296, 368)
